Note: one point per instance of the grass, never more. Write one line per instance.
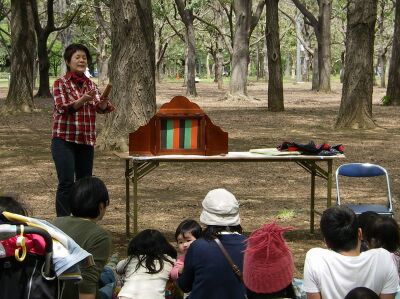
(286, 214)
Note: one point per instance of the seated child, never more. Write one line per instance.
(361, 293)
(187, 231)
(363, 220)
(383, 232)
(146, 270)
(268, 264)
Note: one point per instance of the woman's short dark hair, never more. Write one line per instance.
(86, 196)
(212, 231)
(149, 246)
(72, 48)
(12, 205)
(188, 226)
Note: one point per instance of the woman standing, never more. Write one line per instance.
(207, 273)
(76, 102)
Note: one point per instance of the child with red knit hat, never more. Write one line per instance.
(268, 264)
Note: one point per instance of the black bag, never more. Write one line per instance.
(25, 280)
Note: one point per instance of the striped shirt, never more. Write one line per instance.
(78, 126)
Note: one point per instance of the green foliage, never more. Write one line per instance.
(386, 101)
(195, 4)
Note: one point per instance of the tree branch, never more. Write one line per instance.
(219, 30)
(256, 16)
(298, 34)
(310, 17)
(69, 22)
(100, 18)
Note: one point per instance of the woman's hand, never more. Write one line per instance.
(103, 103)
(88, 96)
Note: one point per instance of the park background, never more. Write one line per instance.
(266, 71)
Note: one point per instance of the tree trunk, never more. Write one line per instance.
(298, 49)
(20, 93)
(393, 88)
(219, 67)
(288, 65)
(265, 61)
(65, 35)
(101, 47)
(132, 71)
(190, 42)
(315, 73)
(306, 67)
(342, 55)
(190, 61)
(208, 71)
(102, 57)
(258, 73)
(324, 45)
(240, 57)
(356, 104)
(219, 61)
(44, 66)
(382, 63)
(275, 84)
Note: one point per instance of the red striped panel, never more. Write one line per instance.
(175, 134)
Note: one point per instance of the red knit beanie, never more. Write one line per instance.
(268, 263)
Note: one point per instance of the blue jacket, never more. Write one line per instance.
(207, 273)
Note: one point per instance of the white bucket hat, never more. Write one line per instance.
(221, 208)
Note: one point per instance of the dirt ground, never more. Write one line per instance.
(174, 191)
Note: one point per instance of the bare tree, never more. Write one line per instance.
(322, 29)
(393, 88)
(65, 35)
(245, 24)
(42, 33)
(190, 41)
(275, 84)
(356, 104)
(23, 45)
(103, 33)
(132, 71)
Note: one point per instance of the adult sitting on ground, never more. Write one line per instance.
(268, 264)
(89, 200)
(332, 273)
(207, 273)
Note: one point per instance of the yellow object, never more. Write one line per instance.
(21, 243)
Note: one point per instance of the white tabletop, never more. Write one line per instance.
(231, 156)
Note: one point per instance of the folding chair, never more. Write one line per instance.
(365, 170)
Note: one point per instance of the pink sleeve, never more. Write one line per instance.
(174, 274)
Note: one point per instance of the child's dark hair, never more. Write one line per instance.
(149, 246)
(212, 231)
(73, 48)
(12, 205)
(86, 196)
(188, 226)
(365, 219)
(361, 293)
(383, 232)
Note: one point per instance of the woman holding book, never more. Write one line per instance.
(76, 102)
